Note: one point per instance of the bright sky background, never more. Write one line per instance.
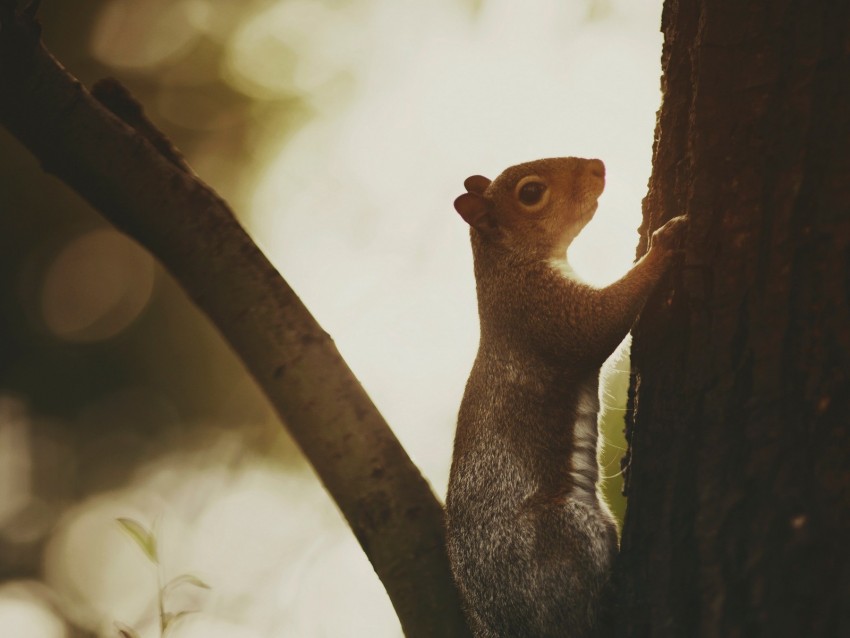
(356, 211)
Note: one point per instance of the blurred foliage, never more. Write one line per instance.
(165, 379)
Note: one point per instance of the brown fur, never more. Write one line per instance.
(530, 541)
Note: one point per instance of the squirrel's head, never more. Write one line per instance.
(538, 207)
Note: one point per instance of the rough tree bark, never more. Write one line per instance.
(116, 159)
(738, 476)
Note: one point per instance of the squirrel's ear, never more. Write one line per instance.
(475, 210)
(476, 184)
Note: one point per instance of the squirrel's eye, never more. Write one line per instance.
(531, 192)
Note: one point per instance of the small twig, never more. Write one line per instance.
(115, 96)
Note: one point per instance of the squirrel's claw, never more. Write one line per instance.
(671, 235)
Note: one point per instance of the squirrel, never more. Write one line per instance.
(530, 540)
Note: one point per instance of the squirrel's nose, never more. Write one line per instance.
(597, 168)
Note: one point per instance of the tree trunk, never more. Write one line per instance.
(738, 475)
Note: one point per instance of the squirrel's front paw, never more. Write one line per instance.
(670, 236)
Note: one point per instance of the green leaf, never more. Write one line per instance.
(186, 579)
(142, 536)
(125, 631)
(170, 617)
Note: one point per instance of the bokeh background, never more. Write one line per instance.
(340, 131)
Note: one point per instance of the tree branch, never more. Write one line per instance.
(120, 165)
